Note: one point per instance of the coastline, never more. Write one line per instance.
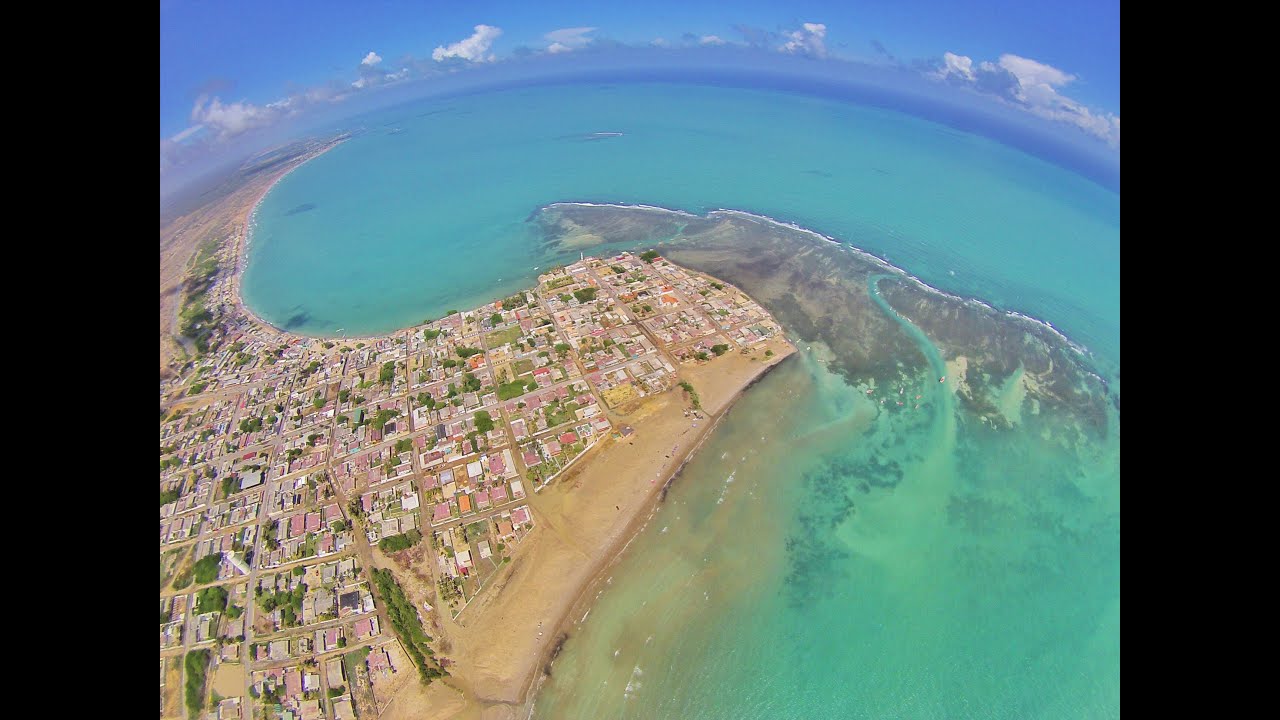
(245, 238)
(503, 644)
(849, 247)
(601, 572)
(574, 608)
(1031, 321)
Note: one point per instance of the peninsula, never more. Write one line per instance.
(399, 526)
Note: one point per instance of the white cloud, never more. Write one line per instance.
(659, 42)
(958, 65)
(471, 49)
(710, 40)
(554, 48)
(1032, 86)
(371, 59)
(231, 119)
(1029, 72)
(570, 37)
(810, 40)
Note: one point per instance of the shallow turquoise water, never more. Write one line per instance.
(820, 559)
(817, 558)
(409, 225)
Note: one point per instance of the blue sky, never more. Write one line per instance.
(234, 70)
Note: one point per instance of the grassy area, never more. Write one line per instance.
(502, 337)
(558, 414)
(512, 390)
(196, 664)
(352, 660)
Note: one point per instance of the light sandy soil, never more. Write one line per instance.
(173, 688)
(503, 640)
(228, 680)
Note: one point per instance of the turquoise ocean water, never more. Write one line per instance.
(789, 575)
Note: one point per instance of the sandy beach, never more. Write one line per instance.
(226, 217)
(503, 642)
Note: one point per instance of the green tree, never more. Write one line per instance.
(387, 373)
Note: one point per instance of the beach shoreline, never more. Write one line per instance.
(245, 238)
(584, 599)
(507, 639)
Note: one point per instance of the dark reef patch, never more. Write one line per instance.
(304, 207)
(297, 320)
(818, 290)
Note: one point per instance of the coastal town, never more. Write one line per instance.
(327, 505)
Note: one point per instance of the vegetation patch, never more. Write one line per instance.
(196, 664)
(693, 394)
(403, 541)
(206, 568)
(211, 599)
(408, 626)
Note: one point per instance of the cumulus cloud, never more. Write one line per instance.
(566, 39)
(1031, 85)
(371, 59)
(229, 119)
(955, 65)
(1029, 72)
(472, 48)
(710, 40)
(659, 42)
(809, 40)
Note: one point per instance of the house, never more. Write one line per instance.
(349, 601)
(520, 515)
(278, 650)
(251, 478)
(292, 683)
(497, 494)
(366, 627)
(440, 513)
(464, 503)
(378, 661)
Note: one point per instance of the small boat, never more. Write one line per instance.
(942, 379)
